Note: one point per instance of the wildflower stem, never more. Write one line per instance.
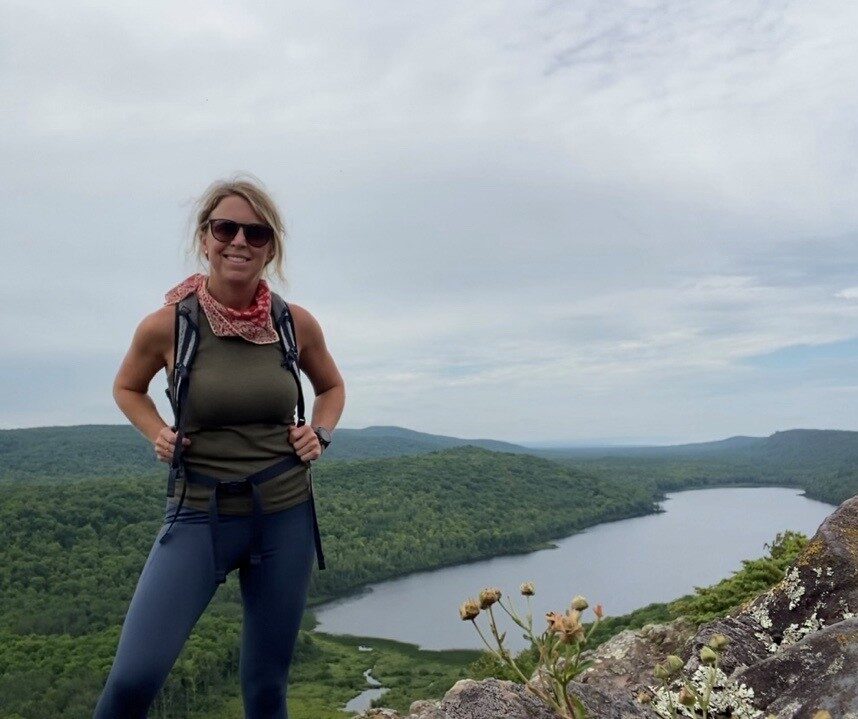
(504, 653)
(488, 646)
(512, 614)
(710, 683)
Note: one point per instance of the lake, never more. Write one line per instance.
(702, 536)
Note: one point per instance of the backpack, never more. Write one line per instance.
(185, 341)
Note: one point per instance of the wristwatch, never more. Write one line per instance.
(324, 436)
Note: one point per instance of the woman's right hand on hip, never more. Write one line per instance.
(165, 443)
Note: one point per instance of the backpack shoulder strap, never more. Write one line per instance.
(186, 338)
(285, 326)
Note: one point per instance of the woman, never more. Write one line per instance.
(237, 421)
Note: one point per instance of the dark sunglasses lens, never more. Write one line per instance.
(258, 235)
(224, 230)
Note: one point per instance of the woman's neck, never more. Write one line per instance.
(236, 296)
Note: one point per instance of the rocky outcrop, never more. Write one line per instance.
(626, 660)
(495, 698)
(819, 672)
(820, 589)
(793, 651)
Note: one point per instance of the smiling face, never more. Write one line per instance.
(236, 261)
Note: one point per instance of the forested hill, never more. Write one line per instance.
(47, 454)
(379, 518)
(823, 462)
(71, 553)
(389, 441)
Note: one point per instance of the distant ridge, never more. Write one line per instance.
(800, 446)
(392, 441)
(118, 450)
(56, 454)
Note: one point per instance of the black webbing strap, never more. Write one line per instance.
(285, 326)
(317, 535)
(239, 487)
(288, 345)
(186, 338)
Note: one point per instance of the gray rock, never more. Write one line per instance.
(745, 648)
(819, 672)
(626, 661)
(609, 704)
(821, 588)
(491, 699)
(496, 698)
(424, 709)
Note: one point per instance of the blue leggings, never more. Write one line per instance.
(178, 582)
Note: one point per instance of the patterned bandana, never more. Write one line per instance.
(253, 324)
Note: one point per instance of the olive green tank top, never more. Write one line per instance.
(239, 403)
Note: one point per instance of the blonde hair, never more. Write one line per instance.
(251, 189)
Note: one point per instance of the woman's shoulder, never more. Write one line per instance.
(302, 316)
(307, 328)
(157, 327)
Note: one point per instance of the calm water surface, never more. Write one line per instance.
(701, 537)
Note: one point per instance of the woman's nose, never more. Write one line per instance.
(239, 234)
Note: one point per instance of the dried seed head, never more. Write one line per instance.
(489, 596)
(527, 589)
(469, 609)
(598, 611)
(686, 698)
(579, 603)
(555, 621)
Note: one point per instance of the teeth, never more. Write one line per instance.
(235, 258)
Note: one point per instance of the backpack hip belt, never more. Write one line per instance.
(186, 341)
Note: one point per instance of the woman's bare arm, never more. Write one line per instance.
(316, 362)
(328, 385)
(151, 348)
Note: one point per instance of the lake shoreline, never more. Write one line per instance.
(550, 543)
(631, 566)
(529, 549)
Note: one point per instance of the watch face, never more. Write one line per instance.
(324, 435)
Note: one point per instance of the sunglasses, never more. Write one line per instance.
(226, 230)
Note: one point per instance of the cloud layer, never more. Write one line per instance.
(550, 221)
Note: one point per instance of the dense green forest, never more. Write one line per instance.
(822, 462)
(70, 555)
(81, 506)
(61, 454)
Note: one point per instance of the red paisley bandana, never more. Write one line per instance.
(253, 324)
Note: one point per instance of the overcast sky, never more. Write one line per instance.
(534, 221)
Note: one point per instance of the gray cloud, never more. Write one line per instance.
(562, 221)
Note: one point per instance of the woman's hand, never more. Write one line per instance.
(305, 442)
(165, 443)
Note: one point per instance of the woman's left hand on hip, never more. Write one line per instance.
(305, 442)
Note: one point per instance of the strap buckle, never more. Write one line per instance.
(233, 488)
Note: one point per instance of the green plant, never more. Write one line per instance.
(707, 693)
(558, 648)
